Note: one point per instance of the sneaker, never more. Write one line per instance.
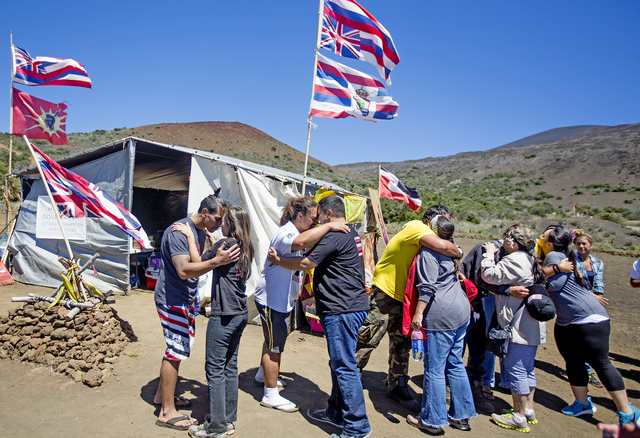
(321, 415)
(509, 421)
(628, 418)
(483, 405)
(401, 394)
(417, 422)
(594, 381)
(199, 431)
(530, 415)
(260, 381)
(230, 427)
(578, 408)
(344, 435)
(460, 424)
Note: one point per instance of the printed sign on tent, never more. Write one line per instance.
(47, 225)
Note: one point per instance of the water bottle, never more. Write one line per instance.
(417, 345)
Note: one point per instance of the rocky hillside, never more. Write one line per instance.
(596, 168)
(227, 138)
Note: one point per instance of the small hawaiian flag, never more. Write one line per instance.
(391, 187)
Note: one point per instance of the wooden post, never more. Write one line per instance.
(53, 202)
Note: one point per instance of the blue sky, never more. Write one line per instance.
(472, 75)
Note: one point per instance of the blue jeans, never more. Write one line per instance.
(346, 403)
(489, 364)
(221, 367)
(443, 356)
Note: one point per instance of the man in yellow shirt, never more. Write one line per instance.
(387, 298)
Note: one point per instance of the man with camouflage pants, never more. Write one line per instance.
(387, 298)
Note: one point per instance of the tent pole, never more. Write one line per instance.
(313, 83)
(54, 205)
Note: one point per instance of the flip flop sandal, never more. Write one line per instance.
(488, 395)
(179, 402)
(286, 407)
(417, 422)
(171, 423)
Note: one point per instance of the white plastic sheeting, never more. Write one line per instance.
(260, 196)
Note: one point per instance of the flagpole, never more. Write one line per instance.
(313, 82)
(53, 203)
(6, 179)
(11, 108)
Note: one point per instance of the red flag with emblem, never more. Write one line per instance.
(37, 118)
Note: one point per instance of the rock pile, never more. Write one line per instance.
(84, 348)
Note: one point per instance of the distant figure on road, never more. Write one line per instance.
(634, 281)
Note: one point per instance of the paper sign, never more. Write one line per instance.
(47, 227)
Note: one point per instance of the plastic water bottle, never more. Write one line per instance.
(417, 345)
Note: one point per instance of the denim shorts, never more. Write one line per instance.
(275, 326)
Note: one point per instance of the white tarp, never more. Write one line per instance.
(260, 196)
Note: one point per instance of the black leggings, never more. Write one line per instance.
(580, 343)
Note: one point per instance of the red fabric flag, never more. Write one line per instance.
(37, 118)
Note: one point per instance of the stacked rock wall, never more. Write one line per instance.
(84, 348)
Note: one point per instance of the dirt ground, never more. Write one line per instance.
(35, 401)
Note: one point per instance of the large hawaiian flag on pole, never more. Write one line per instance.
(44, 70)
(37, 118)
(349, 30)
(340, 91)
(392, 188)
(74, 195)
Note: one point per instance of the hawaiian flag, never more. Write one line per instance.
(340, 91)
(391, 187)
(43, 70)
(74, 195)
(37, 118)
(349, 30)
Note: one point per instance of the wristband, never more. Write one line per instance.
(556, 269)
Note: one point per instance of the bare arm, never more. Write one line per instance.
(187, 269)
(634, 283)
(313, 236)
(186, 230)
(439, 245)
(416, 322)
(293, 263)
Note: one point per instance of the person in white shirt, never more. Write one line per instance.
(279, 287)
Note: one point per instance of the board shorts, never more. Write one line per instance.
(178, 328)
(276, 326)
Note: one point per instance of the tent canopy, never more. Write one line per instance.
(159, 184)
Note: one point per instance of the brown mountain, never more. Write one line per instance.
(604, 158)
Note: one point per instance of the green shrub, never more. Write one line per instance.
(607, 216)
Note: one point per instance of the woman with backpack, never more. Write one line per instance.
(582, 331)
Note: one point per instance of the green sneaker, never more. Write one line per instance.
(509, 421)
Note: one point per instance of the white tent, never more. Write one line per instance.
(159, 184)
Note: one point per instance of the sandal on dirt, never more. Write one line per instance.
(179, 402)
(171, 423)
(488, 395)
(285, 407)
(417, 422)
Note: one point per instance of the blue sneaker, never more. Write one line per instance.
(628, 418)
(578, 408)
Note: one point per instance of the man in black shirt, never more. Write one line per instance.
(342, 304)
